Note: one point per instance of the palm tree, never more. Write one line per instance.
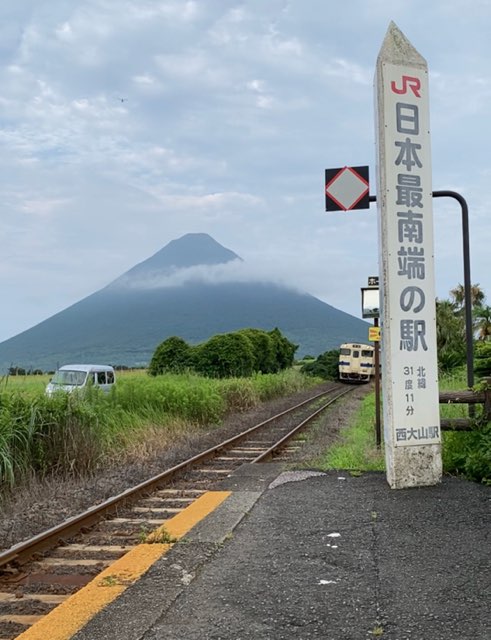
(477, 295)
(482, 316)
(450, 335)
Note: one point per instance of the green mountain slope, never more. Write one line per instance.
(124, 322)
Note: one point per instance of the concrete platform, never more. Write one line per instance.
(301, 555)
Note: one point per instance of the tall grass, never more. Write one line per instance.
(70, 434)
(30, 384)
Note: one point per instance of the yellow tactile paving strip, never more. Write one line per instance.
(70, 616)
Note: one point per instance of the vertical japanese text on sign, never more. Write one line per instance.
(410, 267)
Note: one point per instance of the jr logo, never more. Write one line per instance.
(408, 82)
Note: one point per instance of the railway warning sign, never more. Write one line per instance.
(347, 188)
(374, 334)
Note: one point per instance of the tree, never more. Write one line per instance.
(482, 322)
(263, 348)
(172, 355)
(458, 295)
(17, 371)
(451, 329)
(225, 356)
(284, 350)
(450, 335)
(325, 366)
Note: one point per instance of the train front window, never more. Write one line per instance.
(366, 354)
(345, 352)
(356, 354)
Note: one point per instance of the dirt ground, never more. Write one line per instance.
(39, 506)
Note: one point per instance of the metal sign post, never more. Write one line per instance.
(409, 353)
(370, 308)
(378, 430)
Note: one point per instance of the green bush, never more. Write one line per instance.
(283, 349)
(173, 355)
(225, 356)
(237, 354)
(469, 453)
(482, 359)
(465, 452)
(263, 350)
(326, 366)
(478, 463)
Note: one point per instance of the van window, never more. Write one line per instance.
(110, 377)
(345, 352)
(101, 377)
(68, 377)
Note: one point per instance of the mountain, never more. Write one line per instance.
(181, 290)
(193, 249)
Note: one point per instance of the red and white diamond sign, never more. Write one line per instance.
(347, 188)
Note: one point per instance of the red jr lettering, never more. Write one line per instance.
(408, 82)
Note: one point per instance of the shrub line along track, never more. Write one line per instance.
(33, 581)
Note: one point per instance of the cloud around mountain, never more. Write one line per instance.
(233, 271)
(195, 258)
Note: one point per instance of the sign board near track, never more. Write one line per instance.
(374, 334)
(347, 188)
(404, 196)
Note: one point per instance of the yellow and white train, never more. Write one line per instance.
(356, 362)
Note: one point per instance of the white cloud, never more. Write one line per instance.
(148, 83)
(281, 46)
(235, 271)
(65, 32)
(265, 102)
(44, 207)
(230, 114)
(207, 201)
(342, 68)
(189, 64)
(256, 85)
(177, 10)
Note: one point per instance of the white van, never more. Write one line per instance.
(71, 377)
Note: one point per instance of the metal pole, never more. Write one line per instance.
(469, 333)
(378, 434)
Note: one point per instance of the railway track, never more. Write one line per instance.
(40, 573)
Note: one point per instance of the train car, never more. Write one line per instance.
(356, 362)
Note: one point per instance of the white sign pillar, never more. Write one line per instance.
(407, 286)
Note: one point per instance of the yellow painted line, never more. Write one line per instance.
(183, 522)
(70, 616)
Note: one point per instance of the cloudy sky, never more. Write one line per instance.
(128, 123)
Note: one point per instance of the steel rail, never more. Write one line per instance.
(274, 448)
(21, 552)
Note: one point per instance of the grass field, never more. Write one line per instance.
(356, 449)
(75, 433)
(70, 434)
